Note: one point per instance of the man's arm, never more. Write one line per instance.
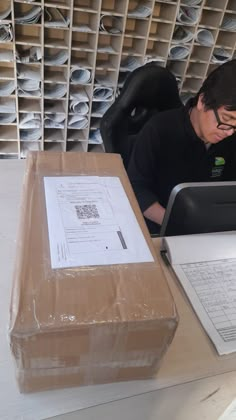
(229, 173)
(142, 171)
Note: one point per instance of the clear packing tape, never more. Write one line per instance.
(83, 325)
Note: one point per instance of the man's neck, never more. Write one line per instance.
(193, 115)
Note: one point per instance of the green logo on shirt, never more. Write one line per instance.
(218, 167)
(219, 161)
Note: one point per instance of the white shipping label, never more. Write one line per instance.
(91, 222)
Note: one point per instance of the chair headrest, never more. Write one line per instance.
(149, 86)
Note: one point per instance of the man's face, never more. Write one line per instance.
(207, 121)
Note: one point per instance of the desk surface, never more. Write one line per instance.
(196, 376)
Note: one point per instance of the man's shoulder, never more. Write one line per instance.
(168, 118)
(168, 124)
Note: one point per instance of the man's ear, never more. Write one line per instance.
(200, 104)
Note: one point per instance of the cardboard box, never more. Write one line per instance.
(83, 325)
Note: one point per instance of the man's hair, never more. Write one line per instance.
(219, 88)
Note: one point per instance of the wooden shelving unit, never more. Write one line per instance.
(62, 70)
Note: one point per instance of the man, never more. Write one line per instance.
(193, 143)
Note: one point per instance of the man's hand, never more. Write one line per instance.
(155, 213)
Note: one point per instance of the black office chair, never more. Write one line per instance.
(147, 90)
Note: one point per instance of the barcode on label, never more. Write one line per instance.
(87, 211)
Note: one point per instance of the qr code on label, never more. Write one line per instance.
(87, 211)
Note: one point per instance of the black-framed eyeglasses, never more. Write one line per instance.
(221, 125)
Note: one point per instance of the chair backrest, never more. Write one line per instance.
(147, 90)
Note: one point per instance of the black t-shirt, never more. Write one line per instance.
(168, 152)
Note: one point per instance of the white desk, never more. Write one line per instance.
(190, 359)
